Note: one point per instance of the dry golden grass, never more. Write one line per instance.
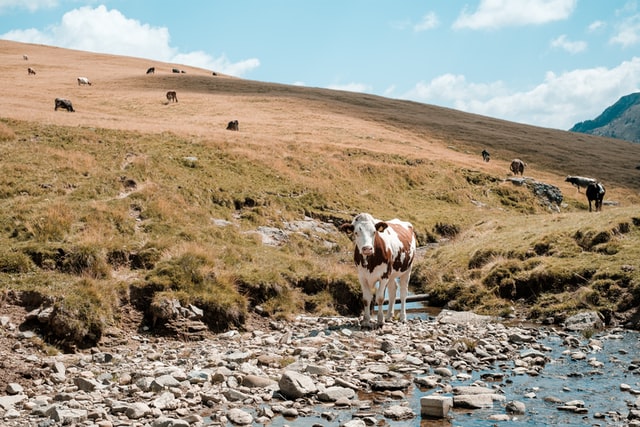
(299, 151)
(280, 119)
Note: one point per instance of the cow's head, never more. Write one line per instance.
(363, 230)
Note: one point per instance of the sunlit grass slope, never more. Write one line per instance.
(132, 201)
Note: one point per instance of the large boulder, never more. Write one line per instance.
(294, 385)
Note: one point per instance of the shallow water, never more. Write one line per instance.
(563, 378)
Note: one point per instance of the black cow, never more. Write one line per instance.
(595, 192)
(171, 96)
(233, 125)
(64, 103)
(151, 70)
(486, 156)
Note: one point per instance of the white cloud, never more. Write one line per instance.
(109, 31)
(389, 91)
(493, 14)
(31, 5)
(559, 101)
(627, 32)
(351, 87)
(30, 35)
(562, 42)
(596, 25)
(221, 64)
(454, 90)
(428, 22)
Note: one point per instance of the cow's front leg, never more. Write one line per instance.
(367, 296)
(380, 300)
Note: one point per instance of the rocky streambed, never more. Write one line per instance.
(321, 372)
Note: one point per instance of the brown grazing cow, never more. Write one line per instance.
(171, 96)
(233, 125)
(31, 71)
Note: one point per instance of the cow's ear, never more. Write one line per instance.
(381, 226)
(347, 228)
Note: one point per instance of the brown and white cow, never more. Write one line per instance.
(517, 167)
(31, 71)
(384, 252)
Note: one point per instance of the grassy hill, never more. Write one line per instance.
(132, 202)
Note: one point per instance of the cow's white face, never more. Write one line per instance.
(364, 233)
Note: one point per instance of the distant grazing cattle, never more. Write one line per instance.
(31, 71)
(384, 251)
(171, 96)
(517, 166)
(595, 192)
(233, 125)
(175, 70)
(64, 103)
(214, 73)
(579, 181)
(486, 156)
(83, 81)
(25, 57)
(151, 70)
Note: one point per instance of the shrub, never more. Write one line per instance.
(80, 317)
(6, 133)
(54, 225)
(446, 230)
(15, 262)
(190, 278)
(588, 239)
(481, 257)
(86, 260)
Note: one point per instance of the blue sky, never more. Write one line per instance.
(549, 63)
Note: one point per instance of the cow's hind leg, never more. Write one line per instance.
(404, 290)
(391, 295)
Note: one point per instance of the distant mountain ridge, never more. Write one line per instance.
(621, 120)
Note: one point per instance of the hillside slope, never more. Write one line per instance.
(123, 97)
(135, 203)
